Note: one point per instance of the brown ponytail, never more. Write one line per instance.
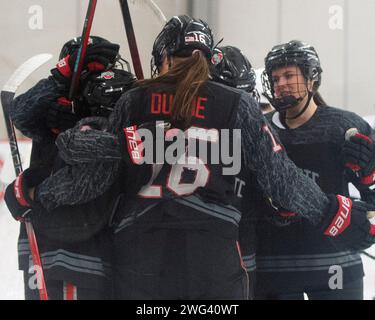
(186, 77)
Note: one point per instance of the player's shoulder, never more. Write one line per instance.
(341, 119)
(222, 87)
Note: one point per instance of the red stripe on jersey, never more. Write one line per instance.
(70, 291)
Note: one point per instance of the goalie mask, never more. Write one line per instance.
(102, 90)
(233, 69)
(179, 37)
(305, 59)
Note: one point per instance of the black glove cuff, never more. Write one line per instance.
(61, 81)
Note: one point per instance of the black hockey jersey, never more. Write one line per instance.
(208, 204)
(297, 256)
(260, 150)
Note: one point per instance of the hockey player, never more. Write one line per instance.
(232, 68)
(178, 237)
(298, 258)
(72, 270)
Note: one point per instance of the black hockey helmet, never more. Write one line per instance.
(295, 53)
(74, 44)
(179, 37)
(233, 69)
(101, 90)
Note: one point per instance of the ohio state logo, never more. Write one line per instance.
(107, 75)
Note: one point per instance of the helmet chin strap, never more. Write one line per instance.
(310, 95)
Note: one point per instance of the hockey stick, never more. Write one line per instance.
(368, 255)
(156, 10)
(82, 49)
(7, 94)
(131, 39)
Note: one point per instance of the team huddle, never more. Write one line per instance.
(192, 184)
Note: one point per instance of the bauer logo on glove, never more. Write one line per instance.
(342, 218)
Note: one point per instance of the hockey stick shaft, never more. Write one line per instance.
(6, 100)
(82, 49)
(368, 255)
(41, 283)
(158, 12)
(7, 95)
(29, 227)
(131, 39)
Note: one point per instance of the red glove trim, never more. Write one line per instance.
(64, 68)
(17, 188)
(353, 167)
(342, 218)
(287, 214)
(64, 101)
(368, 180)
(364, 137)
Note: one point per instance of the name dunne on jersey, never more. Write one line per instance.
(161, 103)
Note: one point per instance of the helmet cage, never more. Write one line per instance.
(294, 53)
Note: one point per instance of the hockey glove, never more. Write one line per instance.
(17, 195)
(348, 223)
(60, 116)
(99, 57)
(359, 156)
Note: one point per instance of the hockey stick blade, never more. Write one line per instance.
(156, 10)
(25, 70)
(7, 94)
